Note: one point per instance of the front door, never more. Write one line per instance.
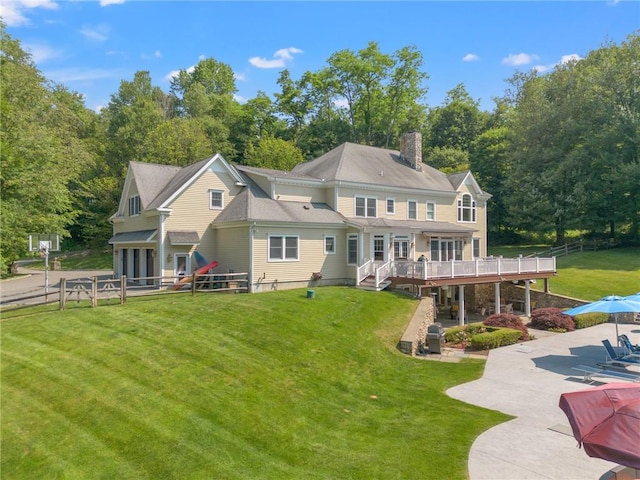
(182, 264)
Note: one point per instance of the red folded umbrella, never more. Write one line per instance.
(606, 421)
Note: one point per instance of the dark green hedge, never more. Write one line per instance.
(590, 319)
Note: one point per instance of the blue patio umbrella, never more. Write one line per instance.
(612, 304)
(634, 298)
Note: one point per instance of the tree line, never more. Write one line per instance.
(558, 152)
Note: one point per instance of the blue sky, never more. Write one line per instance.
(90, 46)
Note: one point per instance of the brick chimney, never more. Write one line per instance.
(411, 149)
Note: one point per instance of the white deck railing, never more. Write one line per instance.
(463, 268)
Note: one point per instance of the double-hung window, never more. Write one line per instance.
(412, 210)
(391, 206)
(329, 244)
(283, 248)
(476, 248)
(365, 207)
(466, 209)
(216, 199)
(134, 205)
(431, 211)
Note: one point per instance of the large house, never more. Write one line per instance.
(357, 214)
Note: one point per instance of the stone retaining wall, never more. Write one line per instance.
(413, 340)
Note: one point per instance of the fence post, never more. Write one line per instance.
(193, 283)
(63, 292)
(94, 292)
(123, 289)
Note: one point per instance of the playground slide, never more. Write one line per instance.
(187, 278)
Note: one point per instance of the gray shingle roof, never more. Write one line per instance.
(144, 236)
(372, 165)
(183, 238)
(253, 204)
(151, 179)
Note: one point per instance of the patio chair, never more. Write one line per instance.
(628, 347)
(615, 357)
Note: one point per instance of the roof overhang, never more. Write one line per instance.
(183, 238)
(140, 236)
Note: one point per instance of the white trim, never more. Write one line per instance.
(211, 192)
(386, 206)
(284, 248)
(195, 176)
(366, 206)
(324, 242)
(427, 203)
(415, 202)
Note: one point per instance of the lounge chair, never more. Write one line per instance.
(628, 347)
(614, 357)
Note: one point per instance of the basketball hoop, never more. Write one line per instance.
(45, 243)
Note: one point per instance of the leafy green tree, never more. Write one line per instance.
(448, 160)
(179, 141)
(43, 127)
(273, 153)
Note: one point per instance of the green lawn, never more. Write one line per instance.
(268, 386)
(593, 275)
(84, 260)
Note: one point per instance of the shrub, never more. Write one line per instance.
(590, 319)
(495, 339)
(553, 319)
(508, 320)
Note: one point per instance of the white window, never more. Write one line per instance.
(476, 248)
(391, 206)
(412, 210)
(283, 248)
(329, 244)
(216, 199)
(466, 209)
(431, 211)
(352, 249)
(378, 248)
(365, 207)
(134, 205)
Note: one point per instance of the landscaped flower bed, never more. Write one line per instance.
(496, 331)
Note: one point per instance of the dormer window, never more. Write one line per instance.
(134, 205)
(466, 209)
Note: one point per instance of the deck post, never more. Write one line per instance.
(461, 307)
(527, 298)
(496, 299)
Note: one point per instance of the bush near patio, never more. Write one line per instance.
(590, 319)
(552, 319)
(479, 336)
(508, 320)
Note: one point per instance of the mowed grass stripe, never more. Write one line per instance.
(242, 386)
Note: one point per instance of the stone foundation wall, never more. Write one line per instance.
(414, 339)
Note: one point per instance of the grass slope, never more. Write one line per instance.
(593, 275)
(269, 386)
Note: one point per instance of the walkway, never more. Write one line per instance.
(526, 381)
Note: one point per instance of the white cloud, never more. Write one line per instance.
(174, 73)
(470, 57)
(574, 57)
(104, 3)
(239, 98)
(518, 59)
(13, 11)
(280, 58)
(99, 33)
(241, 77)
(341, 103)
(42, 53)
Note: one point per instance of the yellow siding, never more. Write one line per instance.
(232, 249)
(311, 254)
(296, 193)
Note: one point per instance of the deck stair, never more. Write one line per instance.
(369, 283)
